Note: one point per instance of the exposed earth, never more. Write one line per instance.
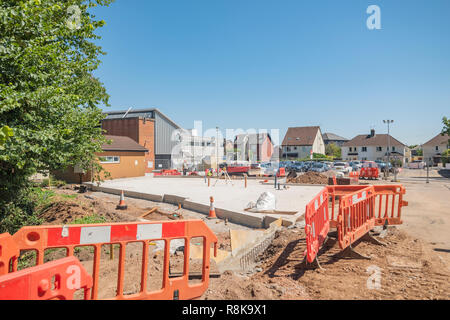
(414, 264)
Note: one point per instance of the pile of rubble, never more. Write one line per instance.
(309, 178)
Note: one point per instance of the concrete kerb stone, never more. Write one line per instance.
(245, 256)
(127, 193)
(173, 199)
(249, 219)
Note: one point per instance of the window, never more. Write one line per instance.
(364, 149)
(393, 148)
(295, 148)
(437, 148)
(110, 159)
(288, 149)
(379, 149)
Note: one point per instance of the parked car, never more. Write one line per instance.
(384, 166)
(342, 167)
(319, 167)
(270, 168)
(417, 164)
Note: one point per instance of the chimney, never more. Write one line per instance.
(372, 133)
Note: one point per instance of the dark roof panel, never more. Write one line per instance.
(376, 140)
(332, 136)
(121, 143)
(438, 140)
(300, 136)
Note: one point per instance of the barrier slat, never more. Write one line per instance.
(391, 213)
(356, 216)
(35, 283)
(317, 224)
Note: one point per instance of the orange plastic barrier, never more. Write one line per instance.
(369, 173)
(69, 237)
(58, 279)
(281, 172)
(317, 224)
(8, 252)
(388, 202)
(356, 216)
(354, 177)
(335, 194)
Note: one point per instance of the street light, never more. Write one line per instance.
(389, 144)
(217, 150)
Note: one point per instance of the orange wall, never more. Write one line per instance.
(132, 164)
(265, 154)
(136, 129)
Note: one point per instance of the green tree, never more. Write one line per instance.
(446, 129)
(333, 150)
(48, 95)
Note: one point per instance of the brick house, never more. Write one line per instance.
(253, 147)
(433, 149)
(123, 158)
(150, 128)
(299, 141)
(375, 147)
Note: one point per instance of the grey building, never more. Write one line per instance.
(334, 138)
(164, 127)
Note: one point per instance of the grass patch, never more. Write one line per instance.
(90, 219)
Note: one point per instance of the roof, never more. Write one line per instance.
(300, 136)
(121, 143)
(141, 113)
(376, 140)
(252, 137)
(332, 136)
(438, 140)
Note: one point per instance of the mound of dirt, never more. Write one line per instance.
(406, 268)
(63, 212)
(309, 178)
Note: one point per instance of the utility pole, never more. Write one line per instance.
(389, 144)
(217, 151)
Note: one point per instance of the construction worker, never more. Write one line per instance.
(184, 168)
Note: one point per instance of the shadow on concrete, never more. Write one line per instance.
(442, 250)
(444, 173)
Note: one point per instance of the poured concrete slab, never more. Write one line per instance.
(229, 200)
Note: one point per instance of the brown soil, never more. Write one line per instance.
(64, 211)
(224, 241)
(409, 269)
(309, 178)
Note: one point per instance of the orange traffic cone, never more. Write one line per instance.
(122, 205)
(212, 211)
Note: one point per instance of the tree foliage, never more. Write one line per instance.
(446, 129)
(48, 95)
(333, 150)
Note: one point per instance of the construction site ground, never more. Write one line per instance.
(413, 265)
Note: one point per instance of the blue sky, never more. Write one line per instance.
(277, 64)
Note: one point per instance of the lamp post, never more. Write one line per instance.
(389, 144)
(217, 150)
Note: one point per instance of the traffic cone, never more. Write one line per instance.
(212, 211)
(122, 205)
